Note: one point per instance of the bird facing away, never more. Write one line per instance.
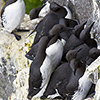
(12, 14)
(83, 54)
(85, 34)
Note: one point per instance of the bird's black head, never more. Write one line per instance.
(94, 53)
(58, 10)
(32, 91)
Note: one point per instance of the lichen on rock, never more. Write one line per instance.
(12, 56)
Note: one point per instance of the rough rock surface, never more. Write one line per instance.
(12, 56)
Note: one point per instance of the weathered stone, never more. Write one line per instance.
(12, 56)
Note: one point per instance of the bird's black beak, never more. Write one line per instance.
(75, 72)
(29, 97)
(78, 49)
(54, 7)
(70, 28)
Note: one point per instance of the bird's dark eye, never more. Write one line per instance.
(61, 28)
(94, 53)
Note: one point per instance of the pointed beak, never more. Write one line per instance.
(84, 23)
(71, 28)
(78, 49)
(75, 72)
(29, 97)
(91, 25)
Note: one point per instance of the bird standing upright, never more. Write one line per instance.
(12, 14)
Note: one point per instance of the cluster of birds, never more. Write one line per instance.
(60, 53)
(61, 50)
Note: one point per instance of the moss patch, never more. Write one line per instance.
(30, 4)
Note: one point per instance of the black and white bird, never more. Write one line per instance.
(52, 18)
(67, 87)
(62, 72)
(38, 81)
(12, 14)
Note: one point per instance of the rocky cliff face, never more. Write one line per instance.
(12, 57)
(14, 67)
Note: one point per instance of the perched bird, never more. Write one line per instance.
(78, 68)
(12, 14)
(52, 60)
(35, 76)
(86, 37)
(61, 73)
(64, 32)
(52, 18)
(94, 53)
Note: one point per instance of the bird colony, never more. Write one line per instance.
(60, 53)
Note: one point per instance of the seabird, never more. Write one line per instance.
(34, 13)
(12, 14)
(51, 61)
(52, 18)
(61, 72)
(94, 53)
(64, 32)
(78, 69)
(35, 75)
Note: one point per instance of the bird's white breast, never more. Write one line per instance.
(45, 10)
(53, 57)
(69, 15)
(55, 52)
(83, 88)
(13, 15)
